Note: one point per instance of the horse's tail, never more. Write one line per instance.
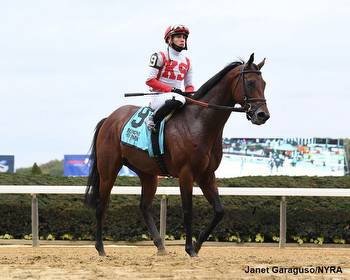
(93, 182)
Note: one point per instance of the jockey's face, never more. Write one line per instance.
(179, 40)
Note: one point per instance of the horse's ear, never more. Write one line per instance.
(251, 59)
(261, 64)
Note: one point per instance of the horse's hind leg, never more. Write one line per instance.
(108, 166)
(149, 186)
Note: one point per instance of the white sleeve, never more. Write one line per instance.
(188, 77)
(155, 65)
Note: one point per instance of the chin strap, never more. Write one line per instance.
(168, 52)
(176, 47)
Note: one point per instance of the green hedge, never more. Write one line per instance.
(245, 217)
(312, 219)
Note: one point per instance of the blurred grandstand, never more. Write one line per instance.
(283, 156)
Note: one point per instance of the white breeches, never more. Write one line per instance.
(158, 100)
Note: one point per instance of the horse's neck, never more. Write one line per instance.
(210, 122)
(218, 95)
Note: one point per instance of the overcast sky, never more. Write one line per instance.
(64, 65)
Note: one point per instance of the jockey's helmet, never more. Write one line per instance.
(174, 30)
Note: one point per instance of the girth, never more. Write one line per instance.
(156, 151)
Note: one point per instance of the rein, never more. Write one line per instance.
(193, 101)
(214, 106)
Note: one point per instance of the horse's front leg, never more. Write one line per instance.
(210, 191)
(186, 187)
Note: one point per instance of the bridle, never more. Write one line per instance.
(250, 104)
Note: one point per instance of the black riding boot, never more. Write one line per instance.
(162, 112)
(166, 109)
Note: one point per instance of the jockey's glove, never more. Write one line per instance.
(178, 91)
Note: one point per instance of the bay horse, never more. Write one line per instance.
(193, 138)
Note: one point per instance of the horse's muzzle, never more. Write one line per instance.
(260, 117)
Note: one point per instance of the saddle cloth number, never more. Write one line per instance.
(142, 115)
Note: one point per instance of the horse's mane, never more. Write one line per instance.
(215, 79)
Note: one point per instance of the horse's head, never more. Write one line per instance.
(248, 91)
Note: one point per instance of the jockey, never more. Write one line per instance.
(167, 72)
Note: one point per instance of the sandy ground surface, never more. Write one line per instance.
(142, 262)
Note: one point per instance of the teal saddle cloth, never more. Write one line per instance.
(136, 133)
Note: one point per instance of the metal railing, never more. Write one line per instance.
(165, 191)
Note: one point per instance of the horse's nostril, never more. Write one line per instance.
(263, 116)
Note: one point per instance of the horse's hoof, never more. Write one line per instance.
(191, 253)
(100, 249)
(162, 252)
(196, 246)
(102, 253)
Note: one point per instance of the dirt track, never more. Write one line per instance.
(142, 262)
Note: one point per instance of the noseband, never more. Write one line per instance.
(250, 104)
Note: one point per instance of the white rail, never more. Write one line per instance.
(164, 191)
(136, 190)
